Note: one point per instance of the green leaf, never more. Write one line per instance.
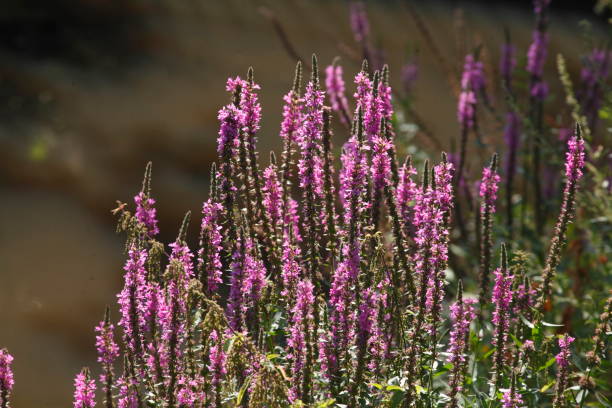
(443, 369)
(242, 391)
(419, 389)
(488, 353)
(326, 403)
(396, 400)
(272, 356)
(378, 386)
(547, 386)
(547, 364)
(394, 388)
(551, 324)
(516, 341)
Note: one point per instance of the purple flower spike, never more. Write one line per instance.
(299, 332)
(84, 390)
(364, 90)
(182, 254)
(473, 74)
(146, 213)
(310, 165)
(217, 358)
(564, 354)
(444, 189)
(563, 362)
(512, 399)
(407, 191)
(502, 298)
(502, 301)
(488, 187)
(108, 351)
(462, 314)
(231, 119)
(273, 195)
(334, 83)
(6, 377)
(255, 274)
(536, 55)
(127, 397)
(574, 159)
(359, 21)
(251, 108)
(381, 162)
(133, 299)
(212, 274)
(235, 301)
(292, 116)
(291, 268)
(574, 164)
(466, 110)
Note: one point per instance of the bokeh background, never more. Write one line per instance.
(90, 90)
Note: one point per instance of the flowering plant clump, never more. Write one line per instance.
(327, 280)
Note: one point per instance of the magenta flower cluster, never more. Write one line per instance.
(319, 281)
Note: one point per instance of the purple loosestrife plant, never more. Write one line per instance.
(502, 301)
(6, 378)
(84, 390)
(323, 284)
(488, 196)
(300, 341)
(574, 163)
(511, 398)
(462, 314)
(289, 132)
(127, 396)
(108, 351)
(407, 190)
(132, 300)
(472, 84)
(563, 362)
(361, 27)
(216, 366)
(146, 213)
(209, 255)
(334, 82)
(228, 144)
(310, 170)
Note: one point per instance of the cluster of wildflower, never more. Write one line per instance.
(319, 281)
(198, 331)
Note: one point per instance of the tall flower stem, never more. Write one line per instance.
(289, 131)
(563, 370)
(574, 163)
(488, 194)
(502, 300)
(329, 186)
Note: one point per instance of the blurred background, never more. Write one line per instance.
(90, 90)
